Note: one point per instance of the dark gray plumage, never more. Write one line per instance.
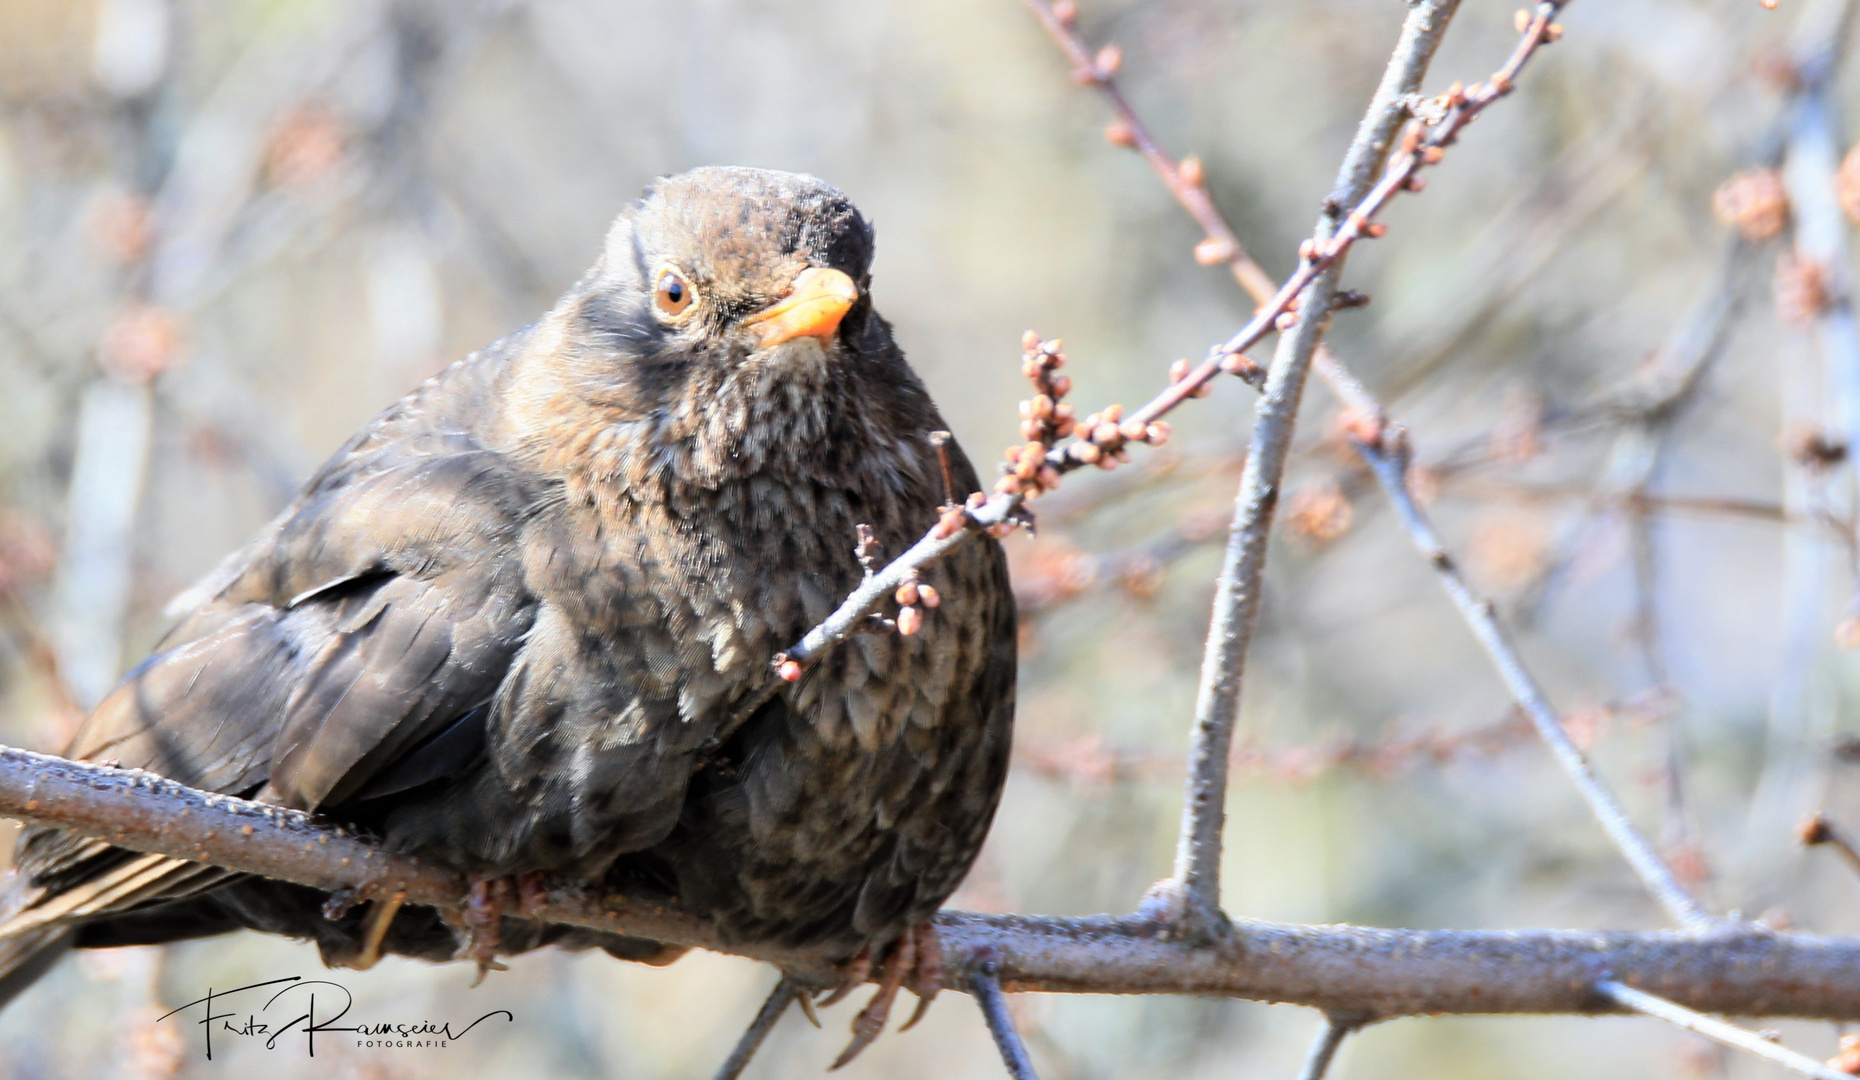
(514, 623)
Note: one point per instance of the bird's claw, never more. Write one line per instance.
(914, 962)
(375, 928)
(366, 953)
(857, 969)
(927, 975)
(484, 914)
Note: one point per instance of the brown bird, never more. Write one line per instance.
(522, 621)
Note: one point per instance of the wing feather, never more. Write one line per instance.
(371, 619)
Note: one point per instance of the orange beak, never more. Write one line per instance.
(814, 306)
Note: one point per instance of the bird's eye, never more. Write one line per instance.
(673, 293)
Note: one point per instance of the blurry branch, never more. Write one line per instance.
(1744, 970)
(1189, 463)
(1638, 503)
(28, 556)
(1716, 1030)
(1058, 574)
(1813, 289)
(178, 247)
(1820, 270)
(988, 995)
(1336, 1029)
(1389, 460)
(1089, 762)
(1820, 830)
(1508, 256)
(114, 430)
(1650, 409)
(1646, 412)
(1138, 569)
(116, 411)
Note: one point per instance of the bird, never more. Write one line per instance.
(521, 624)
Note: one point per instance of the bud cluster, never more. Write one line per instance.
(909, 595)
(1103, 437)
(1044, 420)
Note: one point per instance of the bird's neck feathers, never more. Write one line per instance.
(579, 413)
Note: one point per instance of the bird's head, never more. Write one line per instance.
(729, 318)
(730, 266)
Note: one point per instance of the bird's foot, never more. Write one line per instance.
(926, 979)
(915, 962)
(484, 914)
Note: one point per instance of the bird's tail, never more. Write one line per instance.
(29, 953)
(26, 954)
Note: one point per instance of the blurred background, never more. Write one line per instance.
(233, 230)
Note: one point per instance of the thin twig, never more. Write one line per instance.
(1342, 970)
(1422, 146)
(1185, 181)
(1390, 468)
(1317, 1063)
(766, 1018)
(1714, 1029)
(1192, 897)
(987, 991)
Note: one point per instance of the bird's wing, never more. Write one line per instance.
(348, 655)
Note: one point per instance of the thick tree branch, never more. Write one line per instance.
(1347, 971)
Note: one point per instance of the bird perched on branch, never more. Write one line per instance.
(522, 624)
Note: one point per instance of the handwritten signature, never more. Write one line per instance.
(303, 994)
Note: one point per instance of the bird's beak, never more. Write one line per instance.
(814, 306)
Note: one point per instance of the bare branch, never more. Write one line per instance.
(1237, 597)
(1745, 970)
(987, 991)
(771, 1012)
(1192, 896)
(1716, 1030)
